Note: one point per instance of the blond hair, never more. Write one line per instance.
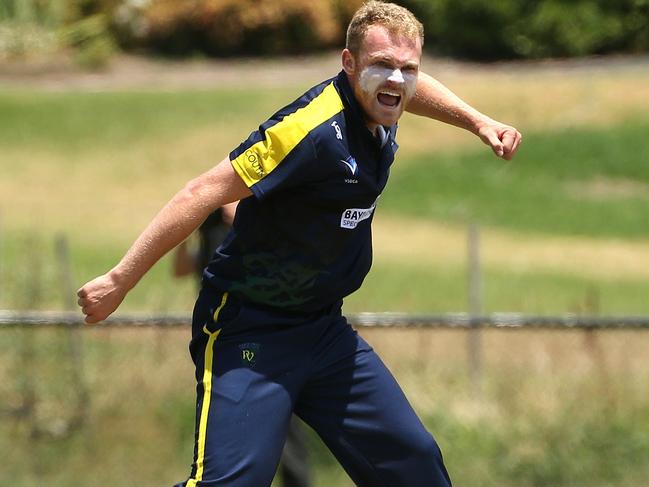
(396, 19)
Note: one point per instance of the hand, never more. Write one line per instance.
(100, 297)
(503, 139)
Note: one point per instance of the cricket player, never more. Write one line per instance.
(268, 334)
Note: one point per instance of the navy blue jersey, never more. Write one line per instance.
(303, 240)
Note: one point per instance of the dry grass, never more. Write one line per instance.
(541, 368)
(442, 245)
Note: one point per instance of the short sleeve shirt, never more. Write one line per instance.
(303, 240)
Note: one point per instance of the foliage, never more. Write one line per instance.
(91, 40)
(465, 28)
(234, 27)
(30, 28)
(468, 28)
(531, 29)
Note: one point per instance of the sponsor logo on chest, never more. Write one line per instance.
(351, 217)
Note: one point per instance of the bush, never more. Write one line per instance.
(473, 29)
(93, 45)
(234, 27)
(33, 28)
(531, 29)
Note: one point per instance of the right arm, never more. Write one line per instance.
(173, 224)
(436, 101)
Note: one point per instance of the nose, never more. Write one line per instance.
(396, 77)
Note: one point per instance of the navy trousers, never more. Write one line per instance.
(254, 368)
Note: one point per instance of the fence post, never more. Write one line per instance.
(33, 291)
(474, 336)
(75, 344)
(1, 260)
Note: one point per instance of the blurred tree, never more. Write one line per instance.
(506, 29)
(235, 27)
(473, 29)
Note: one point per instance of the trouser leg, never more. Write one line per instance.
(359, 410)
(250, 367)
(242, 418)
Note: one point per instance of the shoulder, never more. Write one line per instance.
(287, 138)
(311, 110)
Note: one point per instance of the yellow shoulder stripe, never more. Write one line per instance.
(263, 157)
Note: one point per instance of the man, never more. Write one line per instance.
(268, 335)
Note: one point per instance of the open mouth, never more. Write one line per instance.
(389, 98)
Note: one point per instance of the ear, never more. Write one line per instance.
(349, 63)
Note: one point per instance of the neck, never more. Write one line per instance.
(372, 127)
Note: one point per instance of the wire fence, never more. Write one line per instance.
(10, 318)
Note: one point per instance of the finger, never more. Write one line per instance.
(517, 142)
(509, 141)
(92, 319)
(495, 143)
(81, 301)
(82, 292)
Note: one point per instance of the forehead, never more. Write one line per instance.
(379, 43)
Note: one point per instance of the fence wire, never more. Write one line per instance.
(398, 320)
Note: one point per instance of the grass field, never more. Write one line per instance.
(563, 229)
(558, 409)
(567, 214)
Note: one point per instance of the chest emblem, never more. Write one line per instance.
(350, 162)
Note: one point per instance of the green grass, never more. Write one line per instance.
(413, 288)
(104, 162)
(31, 279)
(95, 122)
(579, 181)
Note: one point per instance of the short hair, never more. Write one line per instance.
(395, 18)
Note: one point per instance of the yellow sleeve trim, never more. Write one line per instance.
(263, 157)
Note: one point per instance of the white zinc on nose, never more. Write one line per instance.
(396, 77)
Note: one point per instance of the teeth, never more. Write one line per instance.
(391, 93)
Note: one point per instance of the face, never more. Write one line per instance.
(384, 74)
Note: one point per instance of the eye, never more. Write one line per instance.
(384, 64)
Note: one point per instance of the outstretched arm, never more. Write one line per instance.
(434, 100)
(173, 224)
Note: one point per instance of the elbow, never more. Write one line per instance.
(191, 192)
(193, 188)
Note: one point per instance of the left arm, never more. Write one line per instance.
(436, 101)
